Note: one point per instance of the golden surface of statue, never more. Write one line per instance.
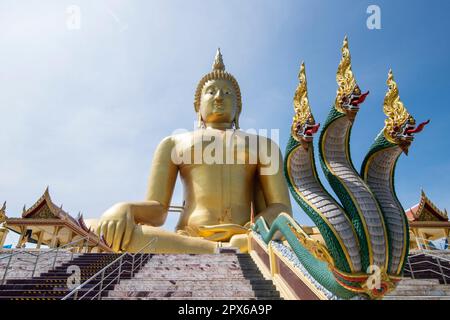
(222, 185)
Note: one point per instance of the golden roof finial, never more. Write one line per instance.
(218, 61)
(3, 216)
(344, 76)
(394, 109)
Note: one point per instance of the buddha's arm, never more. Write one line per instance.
(118, 222)
(273, 185)
(161, 182)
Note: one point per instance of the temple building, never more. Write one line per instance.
(44, 223)
(426, 223)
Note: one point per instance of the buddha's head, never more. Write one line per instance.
(218, 97)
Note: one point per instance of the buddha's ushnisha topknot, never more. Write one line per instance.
(218, 61)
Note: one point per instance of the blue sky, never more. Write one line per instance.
(83, 110)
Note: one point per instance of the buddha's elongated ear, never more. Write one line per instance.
(236, 121)
(200, 122)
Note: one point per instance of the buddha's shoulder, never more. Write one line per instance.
(189, 137)
(255, 136)
(177, 138)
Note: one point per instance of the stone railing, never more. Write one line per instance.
(278, 263)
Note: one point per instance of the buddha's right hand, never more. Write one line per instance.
(117, 225)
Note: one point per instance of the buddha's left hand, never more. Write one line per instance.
(221, 232)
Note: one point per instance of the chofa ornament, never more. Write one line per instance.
(3, 216)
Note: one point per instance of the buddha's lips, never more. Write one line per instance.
(218, 108)
(418, 128)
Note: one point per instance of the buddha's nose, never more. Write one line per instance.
(219, 96)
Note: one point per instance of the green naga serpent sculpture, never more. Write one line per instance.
(367, 230)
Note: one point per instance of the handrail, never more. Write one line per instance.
(101, 273)
(422, 242)
(46, 252)
(433, 255)
(38, 255)
(179, 209)
(409, 265)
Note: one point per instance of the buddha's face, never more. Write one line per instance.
(218, 103)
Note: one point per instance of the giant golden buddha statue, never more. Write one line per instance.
(223, 187)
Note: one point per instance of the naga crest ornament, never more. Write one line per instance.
(304, 125)
(399, 125)
(348, 96)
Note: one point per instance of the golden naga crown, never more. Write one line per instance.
(303, 125)
(393, 108)
(301, 103)
(218, 72)
(344, 77)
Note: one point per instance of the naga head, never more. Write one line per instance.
(400, 126)
(348, 96)
(304, 126)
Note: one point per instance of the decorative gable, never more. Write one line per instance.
(426, 210)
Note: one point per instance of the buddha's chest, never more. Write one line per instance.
(216, 149)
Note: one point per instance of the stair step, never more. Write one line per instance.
(423, 292)
(189, 282)
(416, 298)
(418, 281)
(30, 298)
(191, 298)
(41, 287)
(189, 293)
(423, 287)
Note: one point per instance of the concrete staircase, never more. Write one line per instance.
(21, 265)
(52, 285)
(196, 277)
(162, 277)
(428, 277)
(420, 289)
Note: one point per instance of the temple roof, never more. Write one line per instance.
(44, 208)
(426, 210)
(44, 213)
